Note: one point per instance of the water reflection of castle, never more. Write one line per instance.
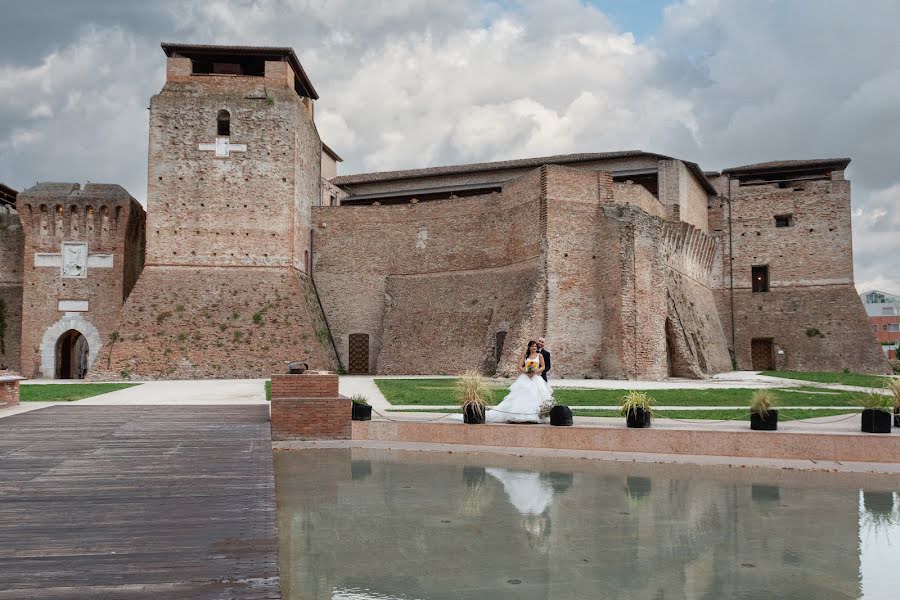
(439, 530)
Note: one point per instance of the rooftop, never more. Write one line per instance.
(522, 163)
(264, 53)
(790, 165)
(7, 195)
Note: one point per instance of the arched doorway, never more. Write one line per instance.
(358, 354)
(71, 355)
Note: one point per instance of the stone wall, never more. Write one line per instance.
(110, 222)
(11, 256)
(250, 208)
(685, 199)
(811, 312)
(201, 322)
(357, 250)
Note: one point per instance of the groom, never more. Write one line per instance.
(546, 354)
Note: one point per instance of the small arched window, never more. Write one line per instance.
(223, 123)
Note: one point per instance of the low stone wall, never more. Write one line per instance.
(308, 407)
(9, 390)
(853, 447)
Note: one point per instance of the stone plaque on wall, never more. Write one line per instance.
(74, 259)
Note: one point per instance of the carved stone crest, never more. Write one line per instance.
(74, 259)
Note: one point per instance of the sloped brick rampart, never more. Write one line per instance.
(190, 322)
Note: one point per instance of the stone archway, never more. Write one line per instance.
(72, 351)
(50, 343)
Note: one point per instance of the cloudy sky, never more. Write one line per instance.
(411, 83)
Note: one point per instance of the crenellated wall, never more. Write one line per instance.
(11, 256)
(82, 251)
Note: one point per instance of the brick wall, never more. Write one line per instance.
(9, 393)
(11, 255)
(203, 322)
(308, 407)
(812, 311)
(110, 221)
(250, 208)
(357, 250)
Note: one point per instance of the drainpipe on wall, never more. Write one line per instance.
(312, 281)
(731, 277)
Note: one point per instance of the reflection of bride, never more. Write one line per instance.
(532, 496)
(527, 393)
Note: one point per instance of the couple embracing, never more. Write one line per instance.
(529, 392)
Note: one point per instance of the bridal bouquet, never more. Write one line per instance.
(530, 368)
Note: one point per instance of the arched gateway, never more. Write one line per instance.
(69, 347)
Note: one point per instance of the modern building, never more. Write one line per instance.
(884, 315)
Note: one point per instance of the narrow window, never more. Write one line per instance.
(760, 275)
(784, 220)
(223, 127)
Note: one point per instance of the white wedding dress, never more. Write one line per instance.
(523, 403)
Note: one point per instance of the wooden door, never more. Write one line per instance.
(359, 354)
(762, 355)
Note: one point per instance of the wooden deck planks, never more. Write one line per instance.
(138, 502)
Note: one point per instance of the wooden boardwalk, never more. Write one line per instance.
(138, 502)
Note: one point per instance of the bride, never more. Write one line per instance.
(527, 393)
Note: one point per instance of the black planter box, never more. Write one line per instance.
(876, 421)
(897, 417)
(471, 416)
(638, 487)
(879, 503)
(561, 416)
(767, 422)
(638, 418)
(362, 412)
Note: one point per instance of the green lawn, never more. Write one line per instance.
(441, 392)
(858, 379)
(67, 392)
(691, 415)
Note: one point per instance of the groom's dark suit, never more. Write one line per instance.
(546, 354)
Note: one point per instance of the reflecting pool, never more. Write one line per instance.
(376, 524)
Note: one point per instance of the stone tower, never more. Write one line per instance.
(234, 168)
(83, 253)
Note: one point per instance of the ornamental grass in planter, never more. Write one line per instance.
(473, 393)
(893, 386)
(877, 412)
(762, 416)
(361, 409)
(637, 408)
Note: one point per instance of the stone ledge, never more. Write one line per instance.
(834, 446)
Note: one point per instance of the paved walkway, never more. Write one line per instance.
(137, 502)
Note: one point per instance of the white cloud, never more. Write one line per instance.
(411, 83)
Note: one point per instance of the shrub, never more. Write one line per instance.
(473, 392)
(893, 386)
(359, 399)
(876, 401)
(761, 402)
(634, 400)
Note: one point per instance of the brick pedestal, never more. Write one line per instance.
(9, 390)
(308, 407)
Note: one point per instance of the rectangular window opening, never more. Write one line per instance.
(760, 275)
(784, 220)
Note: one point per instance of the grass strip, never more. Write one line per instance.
(67, 392)
(441, 392)
(856, 379)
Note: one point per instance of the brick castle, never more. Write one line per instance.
(254, 252)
